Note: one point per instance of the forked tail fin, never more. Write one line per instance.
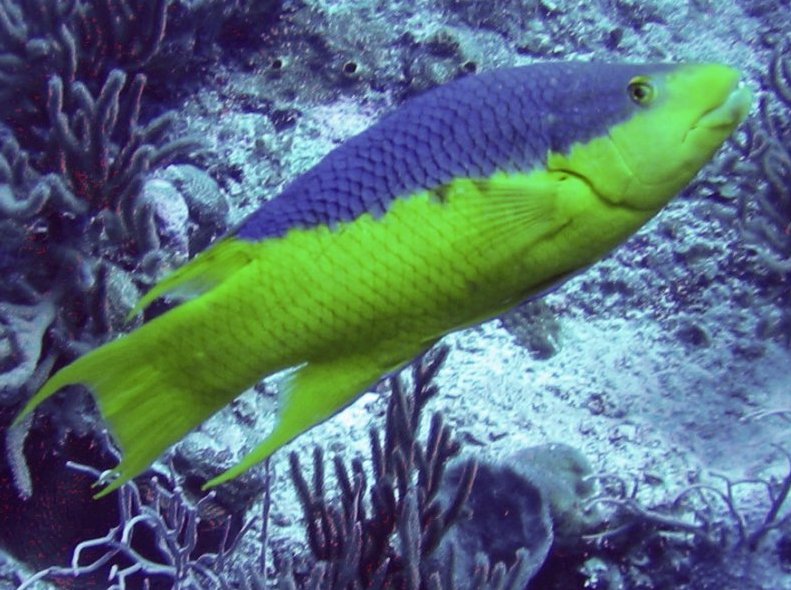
(147, 401)
(147, 410)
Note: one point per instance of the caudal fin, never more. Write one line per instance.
(147, 410)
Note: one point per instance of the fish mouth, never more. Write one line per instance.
(732, 111)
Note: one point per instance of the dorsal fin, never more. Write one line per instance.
(207, 270)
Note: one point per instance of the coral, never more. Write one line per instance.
(104, 154)
(355, 546)
(45, 507)
(15, 453)
(112, 34)
(152, 534)
(24, 193)
(73, 165)
(39, 39)
(35, 43)
(751, 192)
(774, 203)
(388, 542)
(77, 115)
(170, 214)
(563, 475)
(207, 204)
(710, 528)
(79, 231)
(75, 40)
(76, 154)
(168, 525)
(86, 215)
(768, 142)
(22, 329)
(535, 501)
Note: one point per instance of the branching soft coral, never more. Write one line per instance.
(74, 154)
(772, 148)
(770, 233)
(75, 40)
(388, 542)
(104, 153)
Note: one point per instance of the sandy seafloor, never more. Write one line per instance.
(626, 387)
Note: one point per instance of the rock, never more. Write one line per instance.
(208, 207)
(561, 473)
(509, 513)
(170, 215)
(122, 296)
(535, 327)
(200, 457)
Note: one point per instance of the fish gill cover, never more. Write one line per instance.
(667, 364)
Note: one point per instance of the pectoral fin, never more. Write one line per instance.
(507, 205)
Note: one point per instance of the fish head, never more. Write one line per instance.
(675, 117)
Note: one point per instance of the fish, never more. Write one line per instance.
(460, 204)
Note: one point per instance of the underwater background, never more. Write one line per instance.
(630, 430)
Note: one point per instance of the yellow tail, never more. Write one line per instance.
(145, 393)
(146, 408)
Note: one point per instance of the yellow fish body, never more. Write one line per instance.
(457, 206)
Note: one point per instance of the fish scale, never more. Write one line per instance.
(454, 116)
(457, 206)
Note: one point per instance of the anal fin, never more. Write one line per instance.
(317, 391)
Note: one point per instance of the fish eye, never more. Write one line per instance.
(641, 91)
